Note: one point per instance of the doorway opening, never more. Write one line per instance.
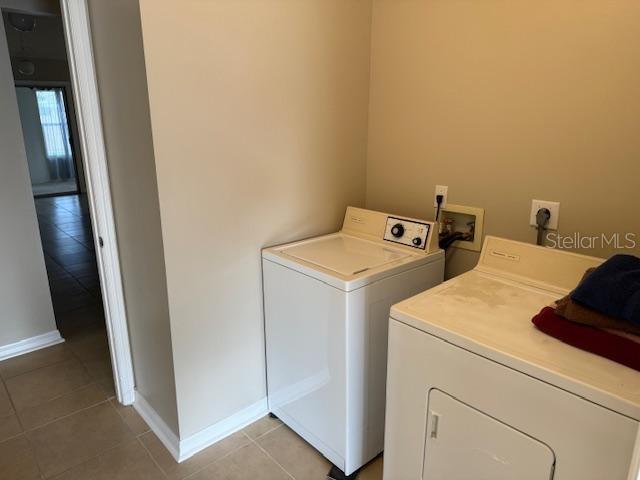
(42, 77)
(49, 142)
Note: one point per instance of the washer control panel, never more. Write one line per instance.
(407, 232)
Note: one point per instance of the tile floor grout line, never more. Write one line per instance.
(66, 415)
(113, 447)
(75, 279)
(57, 362)
(22, 433)
(92, 457)
(25, 430)
(92, 382)
(82, 363)
(13, 404)
(108, 395)
(112, 401)
(32, 450)
(268, 431)
(12, 437)
(270, 456)
(153, 459)
(53, 259)
(230, 452)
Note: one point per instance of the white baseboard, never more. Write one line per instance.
(222, 429)
(181, 450)
(157, 425)
(30, 344)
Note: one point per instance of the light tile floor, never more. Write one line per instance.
(58, 415)
(57, 421)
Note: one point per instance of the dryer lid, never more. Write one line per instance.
(344, 254)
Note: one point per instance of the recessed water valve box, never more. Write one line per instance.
(467, 220)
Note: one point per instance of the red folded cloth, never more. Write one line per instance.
(614, 347)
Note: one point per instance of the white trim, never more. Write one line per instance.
(216, 432)
(75, 16)
(157, 425)
(30, 344)
(182, 450)
(634, 469)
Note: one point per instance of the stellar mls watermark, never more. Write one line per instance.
(618, 241)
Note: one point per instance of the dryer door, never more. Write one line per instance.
(463, 443)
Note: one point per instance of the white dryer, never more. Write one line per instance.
(326, 304)
(476, 392)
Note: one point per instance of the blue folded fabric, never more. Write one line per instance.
(613, 288)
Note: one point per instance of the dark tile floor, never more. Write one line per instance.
(67, 241)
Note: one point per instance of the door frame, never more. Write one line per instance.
(77, 31)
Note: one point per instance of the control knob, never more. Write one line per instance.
(397, 230)
(417, 241)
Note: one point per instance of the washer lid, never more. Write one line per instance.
(345, 255)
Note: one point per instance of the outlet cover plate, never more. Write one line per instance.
(440, 190)
(554, 208)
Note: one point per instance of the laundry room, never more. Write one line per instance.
(372, 239)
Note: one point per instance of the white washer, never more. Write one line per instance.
(327, 304)
(475, 391)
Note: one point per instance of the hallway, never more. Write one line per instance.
(67, 240)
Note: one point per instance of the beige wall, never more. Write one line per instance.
(505, 101)
(125, 111)
(25, 300)
(259, 115)
(259, 111)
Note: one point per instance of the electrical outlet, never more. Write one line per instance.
(440, 190)
(554, 208)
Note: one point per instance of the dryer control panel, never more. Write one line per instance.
(407, 232)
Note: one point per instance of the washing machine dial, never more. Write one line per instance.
(397, 230)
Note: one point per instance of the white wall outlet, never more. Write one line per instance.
(440, 190)
(554, 208)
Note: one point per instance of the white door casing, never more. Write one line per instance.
(77, 31)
